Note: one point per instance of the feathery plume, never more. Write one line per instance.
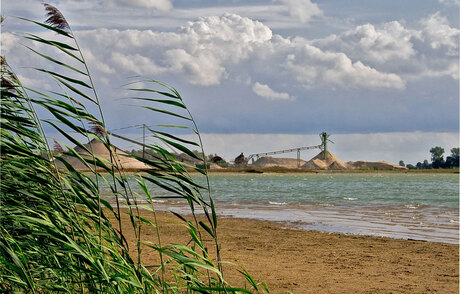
(96, 128)
(55, 17)
(57, 147)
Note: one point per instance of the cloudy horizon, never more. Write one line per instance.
(286, 69)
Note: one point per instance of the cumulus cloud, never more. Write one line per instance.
(302, 10)
(265, 91)
(391, 41)
(200, 52)
(211, 49)
(438, 48)
(440, 35)
(313, 66)
(237, 57)
(199, 69)
(428, 50)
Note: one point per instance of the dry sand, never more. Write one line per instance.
(289, 260)
(266, 162)
(100, 150)
(318, 163)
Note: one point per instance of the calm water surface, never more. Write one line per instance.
(409, 206)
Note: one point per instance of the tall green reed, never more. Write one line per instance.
(56, 233)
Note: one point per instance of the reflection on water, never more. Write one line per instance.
(421, 207)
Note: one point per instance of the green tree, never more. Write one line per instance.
(452, 160)
(426, 165)
(401, 163)
(455, 152)
(410, 166)
(437, 157)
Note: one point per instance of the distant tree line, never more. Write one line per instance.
(437, 159)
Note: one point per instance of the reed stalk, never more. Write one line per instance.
(55, 231)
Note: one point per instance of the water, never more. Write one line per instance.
(409, 206)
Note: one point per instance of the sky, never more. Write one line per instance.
(382, 77)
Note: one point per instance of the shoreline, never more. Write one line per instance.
(351, 225)
(294, 226)
(300, 171)
(330, 171)
(301, 261)
(331, 224)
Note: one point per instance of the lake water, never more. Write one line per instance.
(409, 206)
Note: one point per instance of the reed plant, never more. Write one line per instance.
(57, 232)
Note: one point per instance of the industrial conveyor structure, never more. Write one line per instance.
(323, 146)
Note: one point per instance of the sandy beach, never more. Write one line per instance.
(290, 260)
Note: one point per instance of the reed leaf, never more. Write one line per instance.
(57, 232)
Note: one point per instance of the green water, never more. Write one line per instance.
(416, 206)
(392, 189)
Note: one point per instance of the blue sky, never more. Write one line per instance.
(275, 73)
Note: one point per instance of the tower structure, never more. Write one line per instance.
(324, 138)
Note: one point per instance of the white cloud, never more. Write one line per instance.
(199, 69)
(392, 41)
(211, 49)
(8, 41)
(34, 83)
(302, 10)
(427, 51)
(312, 66)
(200, 52)
(439, 34)
(438, 49)
(230, 53)
(97, 64)
(266, 92)
(135, 63)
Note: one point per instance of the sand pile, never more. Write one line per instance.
(374, 164)
(266, 161)
(101, 151)
(214, 166)
(318, 162)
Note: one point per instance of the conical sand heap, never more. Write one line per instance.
(100, 150)
(329, 163)
(318, 162)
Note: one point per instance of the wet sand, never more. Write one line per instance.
(290, 260)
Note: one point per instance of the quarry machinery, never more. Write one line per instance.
(324, 138)
(323, 146)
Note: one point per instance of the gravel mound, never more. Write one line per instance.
(318, 162)
(101, 151)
